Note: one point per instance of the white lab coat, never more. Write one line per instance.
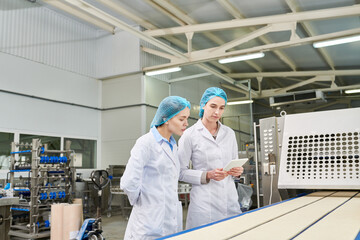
(150, 181)
(217, 199)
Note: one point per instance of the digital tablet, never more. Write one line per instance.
(235, 163)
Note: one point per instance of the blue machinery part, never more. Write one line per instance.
(21, 170)
(53, 159)
(52, 195)
(62, 194)
(43, 196)
(20, 209)
(26, 151)
(42, 150)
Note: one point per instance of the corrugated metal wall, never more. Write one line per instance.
(34, 32)
(148, 60)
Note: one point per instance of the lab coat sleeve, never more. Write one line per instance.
(185, 150)
(131, 180)
(235, 148)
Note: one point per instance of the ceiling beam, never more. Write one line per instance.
(353, 72)
(227, 79)
(200, 75)
(300, 80)
(311, 32)
(209, 54)
(83, 16)
(255, 34)
(236, 14)
(174, 40)
(321, 78)
(96, 12)
(274, 92)
(187, 20)
(126, 13)
(353, 10)
(122, 25)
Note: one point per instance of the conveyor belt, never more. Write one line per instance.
(320, 215)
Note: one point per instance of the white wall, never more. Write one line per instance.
(32, 78)
(35, 115)
(121, 127)
(35, 32)
(117, 54)
(22, 114)
(155, 91)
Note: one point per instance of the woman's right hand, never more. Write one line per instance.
(216, 174)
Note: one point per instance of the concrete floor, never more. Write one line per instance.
(114, 226)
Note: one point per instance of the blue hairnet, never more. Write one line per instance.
(168, 108)
(209, 94)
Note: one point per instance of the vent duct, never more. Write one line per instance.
(297, 97)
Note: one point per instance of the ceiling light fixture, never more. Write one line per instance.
(240, 102)
(162, 71)
(337, 41)
(242, 58)
(352, 91)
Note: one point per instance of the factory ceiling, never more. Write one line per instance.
(199, 33)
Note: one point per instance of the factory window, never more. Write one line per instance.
(53, 143)
(85, 152)
(5, 148)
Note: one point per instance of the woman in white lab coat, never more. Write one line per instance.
(151, 176)
(209, 145)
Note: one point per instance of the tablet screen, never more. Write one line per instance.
(235, 163)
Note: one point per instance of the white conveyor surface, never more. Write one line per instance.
(319, 215)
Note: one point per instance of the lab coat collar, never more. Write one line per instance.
(160, 138)
(165, 144)
(205, 132)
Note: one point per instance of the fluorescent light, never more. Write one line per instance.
(242, 58)
(162, 71)
(352, 91)
(240, 102)
(336, 41)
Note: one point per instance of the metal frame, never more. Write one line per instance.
(42, 176)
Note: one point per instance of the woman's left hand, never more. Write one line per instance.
(236, 171)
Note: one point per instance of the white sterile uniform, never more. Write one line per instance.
(217, 199)
(150, 181)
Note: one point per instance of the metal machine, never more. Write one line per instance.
(303, 152)
(39, 177)
(316, 154)
(5, 217)
(122, 202)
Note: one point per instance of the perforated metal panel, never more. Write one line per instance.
(321, 150)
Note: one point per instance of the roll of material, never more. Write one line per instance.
(66, 220)
(56, 220)
(79, 201)
(72, 220)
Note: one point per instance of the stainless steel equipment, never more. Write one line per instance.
(46, 177)
(318, 150)
(5, 203)
(116, 172)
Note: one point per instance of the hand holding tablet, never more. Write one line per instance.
(235, 163)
